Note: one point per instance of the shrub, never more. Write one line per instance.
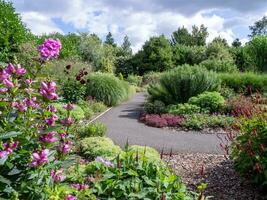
(73, 91)
(151, 78)
(161, 121)
(217, 65)
(156, 107)
(134, 80)
(93, 130)
(227, 92)
(245, 82)
(96, 106)
(178, 85)
(92, 147)
(77, 113)
(107, 88)
(248, 150)
(209, 101)
(145, 152)
(201, 121)
(131, 178)
(181, 109)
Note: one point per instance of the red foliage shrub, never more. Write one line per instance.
(160, 121)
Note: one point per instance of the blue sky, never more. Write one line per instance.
(141, 19)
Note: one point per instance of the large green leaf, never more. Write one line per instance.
(9, 134)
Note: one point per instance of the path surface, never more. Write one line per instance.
(122, 123)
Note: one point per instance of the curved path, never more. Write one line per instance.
(122, 123)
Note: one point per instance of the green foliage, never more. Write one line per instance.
(92, 147)
(126, 47)
(248, 150)
(124, 66)
(93, 130)
(257, 51)
(120, 76)
(135, 80)
(144, 152)
(178, 85)
(107, 88)
(201, 121)
(110, 40)
(151, 78)
(156, 107)
(73, 91)
(236, 43)
(245, 82)
(136, 179)
(182, 109)
(13, 31)
(196, 38)
(77, 113)
(241, 58)
(259, 27)
(209, 101)
(156, 55)
(219, 65)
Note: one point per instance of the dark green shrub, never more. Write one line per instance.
(201, 121)
(107, 88)
(208, 101)
(156, 107)
(92, 147)
(134, 80)
(182, 109)
(181, 83)
(245, 82)
(151, 78)
(93, 130)
(248, 150)
(217, 65)
(77, 113)
(73, 91)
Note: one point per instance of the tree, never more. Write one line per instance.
(156, 55)
(259, 27)
(220, 40)
(126, 47)
(196, 38)
(12, 31)
(236, 43)
(110, 40)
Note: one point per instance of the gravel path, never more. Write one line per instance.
(122, 123)
(223, 182)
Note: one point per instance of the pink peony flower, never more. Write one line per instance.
(67, 121)
(48, 90)
(8, 83)
(49, 137)
(49, 49)
(39, 158)
(70, 197)
(69, 106)
(65, 147)
(57, 176)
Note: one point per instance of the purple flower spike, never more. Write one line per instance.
(49, 49)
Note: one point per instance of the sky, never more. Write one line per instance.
(141, 19)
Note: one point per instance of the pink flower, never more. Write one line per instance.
(65, 147)
(3, 90)
(3, 154)
(62, 136)
(52, 108)
(28, 81)
(49, 49)
(80, 186)
(48, 90)
(52, 120)
(8, 83)
(10, 69)
(20, 70)
(70, 197)
(67, 121)
(32, 102)
(40, 158)
(8, 148)
(49, 137)
(69, 106)
(57, 175)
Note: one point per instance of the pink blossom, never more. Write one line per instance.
(40, 158)
(48, 90)
(106, 162)
(3, 154)
(57, 175)
(28, 81)
(3, 90)
(10, 69)
(65, 147)
(8, 148)
(20, 70)
(8, 83)
(69, 106)
(70, 197)
(32, 102)
(80, 186)
(51, 108)
(62, 136)
(49, 49)
(52, 120)
(49, 137)
(67, 121)
(4, 75)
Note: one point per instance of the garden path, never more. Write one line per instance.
(122, 123)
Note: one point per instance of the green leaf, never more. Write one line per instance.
(4, 180)
(3, 160)
(9, 134)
